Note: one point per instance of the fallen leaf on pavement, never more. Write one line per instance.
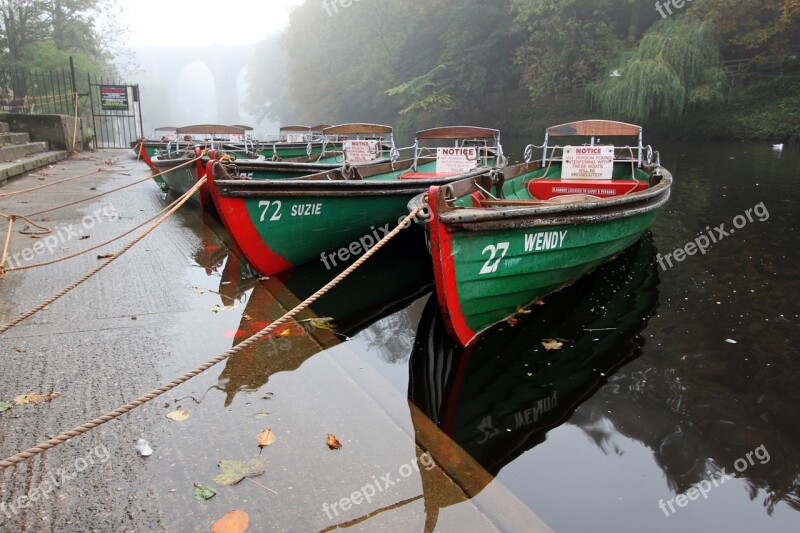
(333, 442)
(233, 522)
(105, 256)
(266, 437)
(35, 397)
(5, 406)
(179, 415)
(203, 493)
(235, 471)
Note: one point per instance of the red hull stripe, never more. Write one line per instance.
(146, 158)
(237, 221)
(445, 275)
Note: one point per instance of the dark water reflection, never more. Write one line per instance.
(670, 374)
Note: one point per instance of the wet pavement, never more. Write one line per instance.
(671, 405)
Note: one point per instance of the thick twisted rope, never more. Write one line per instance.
(87, 250)
(188, 162)
(14, 193)
(101, 266)
(116, 413)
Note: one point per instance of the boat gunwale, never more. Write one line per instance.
(479, 215)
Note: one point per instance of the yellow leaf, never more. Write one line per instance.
(333, 442)
(215, 309)
(323, 323)
(552, 344)
(233, 522)
(179, 415)
(35, 397)
(266, 437)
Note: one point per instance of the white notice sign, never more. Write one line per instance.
(588, 162)
(360, 151)
(295, 138)
(456, 160)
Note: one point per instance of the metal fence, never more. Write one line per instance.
(37, 93)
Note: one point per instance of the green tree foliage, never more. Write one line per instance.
(39, 34)
(568, 42)
(675, 66)
(752, 28)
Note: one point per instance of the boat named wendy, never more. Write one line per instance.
(509, 236)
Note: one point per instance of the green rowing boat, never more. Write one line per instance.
(503, 239)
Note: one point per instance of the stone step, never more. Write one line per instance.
(14, 138)
(14, 152)
(32, 162)
(4, 127)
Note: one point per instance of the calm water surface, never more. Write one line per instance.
(672, 379)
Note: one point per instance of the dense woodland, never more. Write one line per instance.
(715, 68)
(712, 68)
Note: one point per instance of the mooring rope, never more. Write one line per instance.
(183, 199)
(14, 193)
(188, 161)
(79, 430)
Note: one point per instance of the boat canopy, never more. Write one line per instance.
(355, 129)
(243, 127)
(211, 129)
(320, 127)
(588, 128)
(458, 132)
(594, 129)
(295, 128)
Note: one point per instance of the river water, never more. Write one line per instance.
(670, 406)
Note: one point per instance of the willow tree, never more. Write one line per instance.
(676, 67)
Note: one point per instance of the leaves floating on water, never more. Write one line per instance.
(198, 290)
(5, 406)
(178, 416)
(266, 437)
(233, 522)
(235, 471)
(325, 323)
(552, 344)
(333, 442)
(215, 309)
(203, 493)
(35, 397)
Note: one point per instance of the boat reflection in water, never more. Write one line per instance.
(498, 398)
(397, 274)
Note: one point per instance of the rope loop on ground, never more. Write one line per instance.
(72, 433)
